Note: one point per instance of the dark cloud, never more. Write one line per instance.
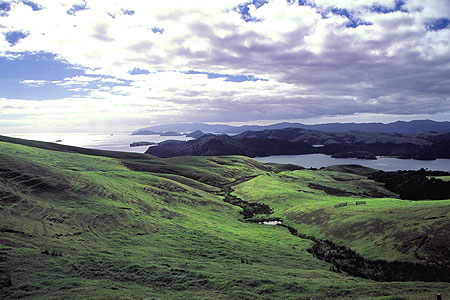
(141, 46)
(101, 33)
(385, 74)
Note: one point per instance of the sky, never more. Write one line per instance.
(86, 65)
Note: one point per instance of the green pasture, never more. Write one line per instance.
(121, 226)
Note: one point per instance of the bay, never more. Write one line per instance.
(382, 163)
(114, 141)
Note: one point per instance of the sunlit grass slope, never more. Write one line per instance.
(74, 226)
(379, 227)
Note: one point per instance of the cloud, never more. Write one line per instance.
(34, 83)
(202, 59)
(77, 80)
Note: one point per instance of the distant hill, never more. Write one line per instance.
(183, 127)
(416, 126)
(195, 134)
(303, 141)
(327, 138)
(146, 132)
(170, 133)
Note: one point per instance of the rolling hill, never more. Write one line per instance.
(77, 224)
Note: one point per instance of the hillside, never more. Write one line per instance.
(301, 141)
(128, 226)
(349, 137)
(373, 221)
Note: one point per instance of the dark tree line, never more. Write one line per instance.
(249, 209)
(344, 259)
(415, 185)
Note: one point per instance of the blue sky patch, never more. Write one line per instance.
(437, 24)
(41, 76)
(301, 2)
(5, 7)
(77, 7)
(137, 71)
(158, 30)
(385, 10)
(31, 4)
(244, 10)
(37, 66)
(232, 78)
(353, 21)
(13, 37)
(14, 89)
(242, 78)
(127, 12)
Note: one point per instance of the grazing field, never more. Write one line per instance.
(113, 225)
(341, 204)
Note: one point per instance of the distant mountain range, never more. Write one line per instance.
(416, 126)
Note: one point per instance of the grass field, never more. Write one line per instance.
(122, 226)
(378, 228)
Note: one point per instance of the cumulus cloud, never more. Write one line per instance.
(316, 58)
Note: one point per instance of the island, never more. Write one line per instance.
(355, 154)
(141, 143)
(170, 133)
(196, 134)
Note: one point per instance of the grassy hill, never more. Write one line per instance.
(113, 225)
(374, 223)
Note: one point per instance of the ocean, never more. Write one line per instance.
(115, 141)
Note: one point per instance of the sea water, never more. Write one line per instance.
(382, 163)
(115, 141)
